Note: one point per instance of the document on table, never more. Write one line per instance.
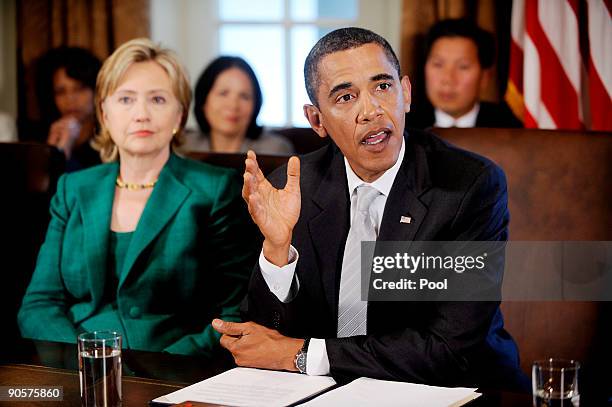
(380, 393)
(251, 387)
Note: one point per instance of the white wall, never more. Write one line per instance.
(189, 27)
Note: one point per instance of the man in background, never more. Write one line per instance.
(458, 67)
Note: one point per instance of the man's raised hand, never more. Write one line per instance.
(275, 211)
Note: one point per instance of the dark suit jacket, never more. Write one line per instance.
(450, 195)
(188, 261)
(490, 115)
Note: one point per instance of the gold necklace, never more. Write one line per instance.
(134, 187)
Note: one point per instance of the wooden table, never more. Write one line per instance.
(146, 375)
(136, 391)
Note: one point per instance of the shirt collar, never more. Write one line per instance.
(445, 120)
(384, 183)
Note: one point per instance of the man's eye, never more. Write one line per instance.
(384, 86)
(159, 100)
(345, 98)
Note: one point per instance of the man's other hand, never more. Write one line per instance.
(254, 345)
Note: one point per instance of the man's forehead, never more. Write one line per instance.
(356, 63)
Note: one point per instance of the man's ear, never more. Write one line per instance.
(313, 115)
(406, 92)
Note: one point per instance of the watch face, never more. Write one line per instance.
(300, 362)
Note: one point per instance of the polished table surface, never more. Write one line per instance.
(146, 375)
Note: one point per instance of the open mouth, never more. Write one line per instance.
(375, 138)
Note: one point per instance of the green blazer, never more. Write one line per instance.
(188, 261)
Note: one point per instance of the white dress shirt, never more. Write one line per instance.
(279, 279)
(468, 120)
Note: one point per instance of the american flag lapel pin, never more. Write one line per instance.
(405, 219)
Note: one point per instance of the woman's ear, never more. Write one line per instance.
(313, 115)
(103, 111)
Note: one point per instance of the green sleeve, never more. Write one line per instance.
(43, 312)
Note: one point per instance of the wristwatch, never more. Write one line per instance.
(300, 358)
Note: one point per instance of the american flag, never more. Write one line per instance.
(556, 80)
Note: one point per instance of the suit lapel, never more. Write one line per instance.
(96, 202)
(329, 228)
(165, 200)
(411, 182)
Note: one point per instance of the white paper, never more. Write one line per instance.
(380, 393)
(251, 387)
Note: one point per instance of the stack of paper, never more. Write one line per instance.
(251, 387)
(380, 393)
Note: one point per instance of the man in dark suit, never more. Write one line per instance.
(459, 57)
(423, 189)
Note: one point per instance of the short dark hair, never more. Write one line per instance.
(207, 80)
(341, 40)
(80, 65)
(465, 28)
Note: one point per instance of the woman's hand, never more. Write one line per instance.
(275, 211)
(63, 133)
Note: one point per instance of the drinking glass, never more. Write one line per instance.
(555, 383)
(100, 368)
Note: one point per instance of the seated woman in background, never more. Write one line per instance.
(149, 244)
(66, 79)
(459, 57)
(227, 101)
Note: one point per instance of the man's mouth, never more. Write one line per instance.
(375, 138)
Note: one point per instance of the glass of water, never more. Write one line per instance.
(100, 368)
(555, 383)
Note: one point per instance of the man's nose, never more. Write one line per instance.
(370, 108)
(448, 76)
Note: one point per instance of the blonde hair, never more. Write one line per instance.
(112, 72)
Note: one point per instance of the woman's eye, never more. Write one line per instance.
(125, 100)
(159, 100)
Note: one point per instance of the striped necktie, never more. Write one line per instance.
(352, 311)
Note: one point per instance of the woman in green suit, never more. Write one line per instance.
(149, 244)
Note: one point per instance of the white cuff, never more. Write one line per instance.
(279, 279)
(317, 362)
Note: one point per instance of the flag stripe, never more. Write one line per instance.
(531, 83)
(600, 65)
(600, 34)
(560, 98)
(560, 26)
(601, 105)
